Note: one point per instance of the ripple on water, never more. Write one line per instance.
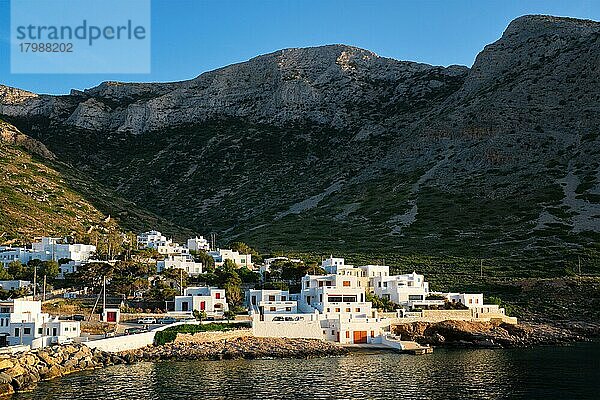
(565, 372)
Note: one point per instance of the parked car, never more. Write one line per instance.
(65, 318)
(78, 317)
(133, 331)
(147, 320)
(167, 320)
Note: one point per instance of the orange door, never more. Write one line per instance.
(360, 337)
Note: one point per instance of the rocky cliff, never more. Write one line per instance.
(335, 148)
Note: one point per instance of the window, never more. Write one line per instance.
(4, 310)
(348, 309)
(40, 331)
(17, 332)
(415, 297)
(346, 284)
(272, 309)
(288, 309)
(372, 334)
(217, 295)
(470, 301)
(347, 334)
(283, 298)
(337, 310)
(328, 309)
(333, 332)
(271, 298)
(357, 310)
(476, 301)
(26, 331)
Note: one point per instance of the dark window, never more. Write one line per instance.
(26, 331)
(415, 297)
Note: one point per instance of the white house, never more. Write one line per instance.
(241, 260)
(209, 299)
(345, 315)
(14, 285)
(468, 299)
(46, 250)
(270, 301)
(331, 264)
(198, 243)
(406, 290)
(147, 239)
(155, 240)
(22, 322)
(180, 261)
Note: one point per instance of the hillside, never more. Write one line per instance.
(37, 196)
(335, 149)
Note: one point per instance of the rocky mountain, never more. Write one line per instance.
(40, 196)
(334, 148)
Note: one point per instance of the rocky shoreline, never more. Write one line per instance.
(21, 371)
(490, 334)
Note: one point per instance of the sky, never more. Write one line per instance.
(189, 37)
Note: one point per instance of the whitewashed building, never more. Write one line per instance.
(47, 250)
(156, 240)
(14, 284)
(212, 300)
(241, 260)
(180, 261)
(332, 264)
(271, 302)
(406, 290)
(198, 244)
(22, 322)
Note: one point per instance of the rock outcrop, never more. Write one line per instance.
(485, 334)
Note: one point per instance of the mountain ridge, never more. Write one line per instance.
(334, 147)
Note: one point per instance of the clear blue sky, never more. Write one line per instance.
(193, 36)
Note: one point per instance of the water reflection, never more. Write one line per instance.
(565, 373)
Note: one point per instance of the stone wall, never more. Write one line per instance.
(122, 343)
(288, 329)
(204, 337)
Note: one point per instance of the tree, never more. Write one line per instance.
(248, 276)
(17, 270)
(208, 262)
(229, 315)
(4, 275)
(199, 315)
(232, 284)
(50, 269)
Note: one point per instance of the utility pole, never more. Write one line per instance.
(104, 296)
(34, 280)
(181, 281)
(481, 267)
(44, 290)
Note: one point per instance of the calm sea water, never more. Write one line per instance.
(540, 373)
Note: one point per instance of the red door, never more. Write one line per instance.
(202, 305)
(360, 337)
(111, 316)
